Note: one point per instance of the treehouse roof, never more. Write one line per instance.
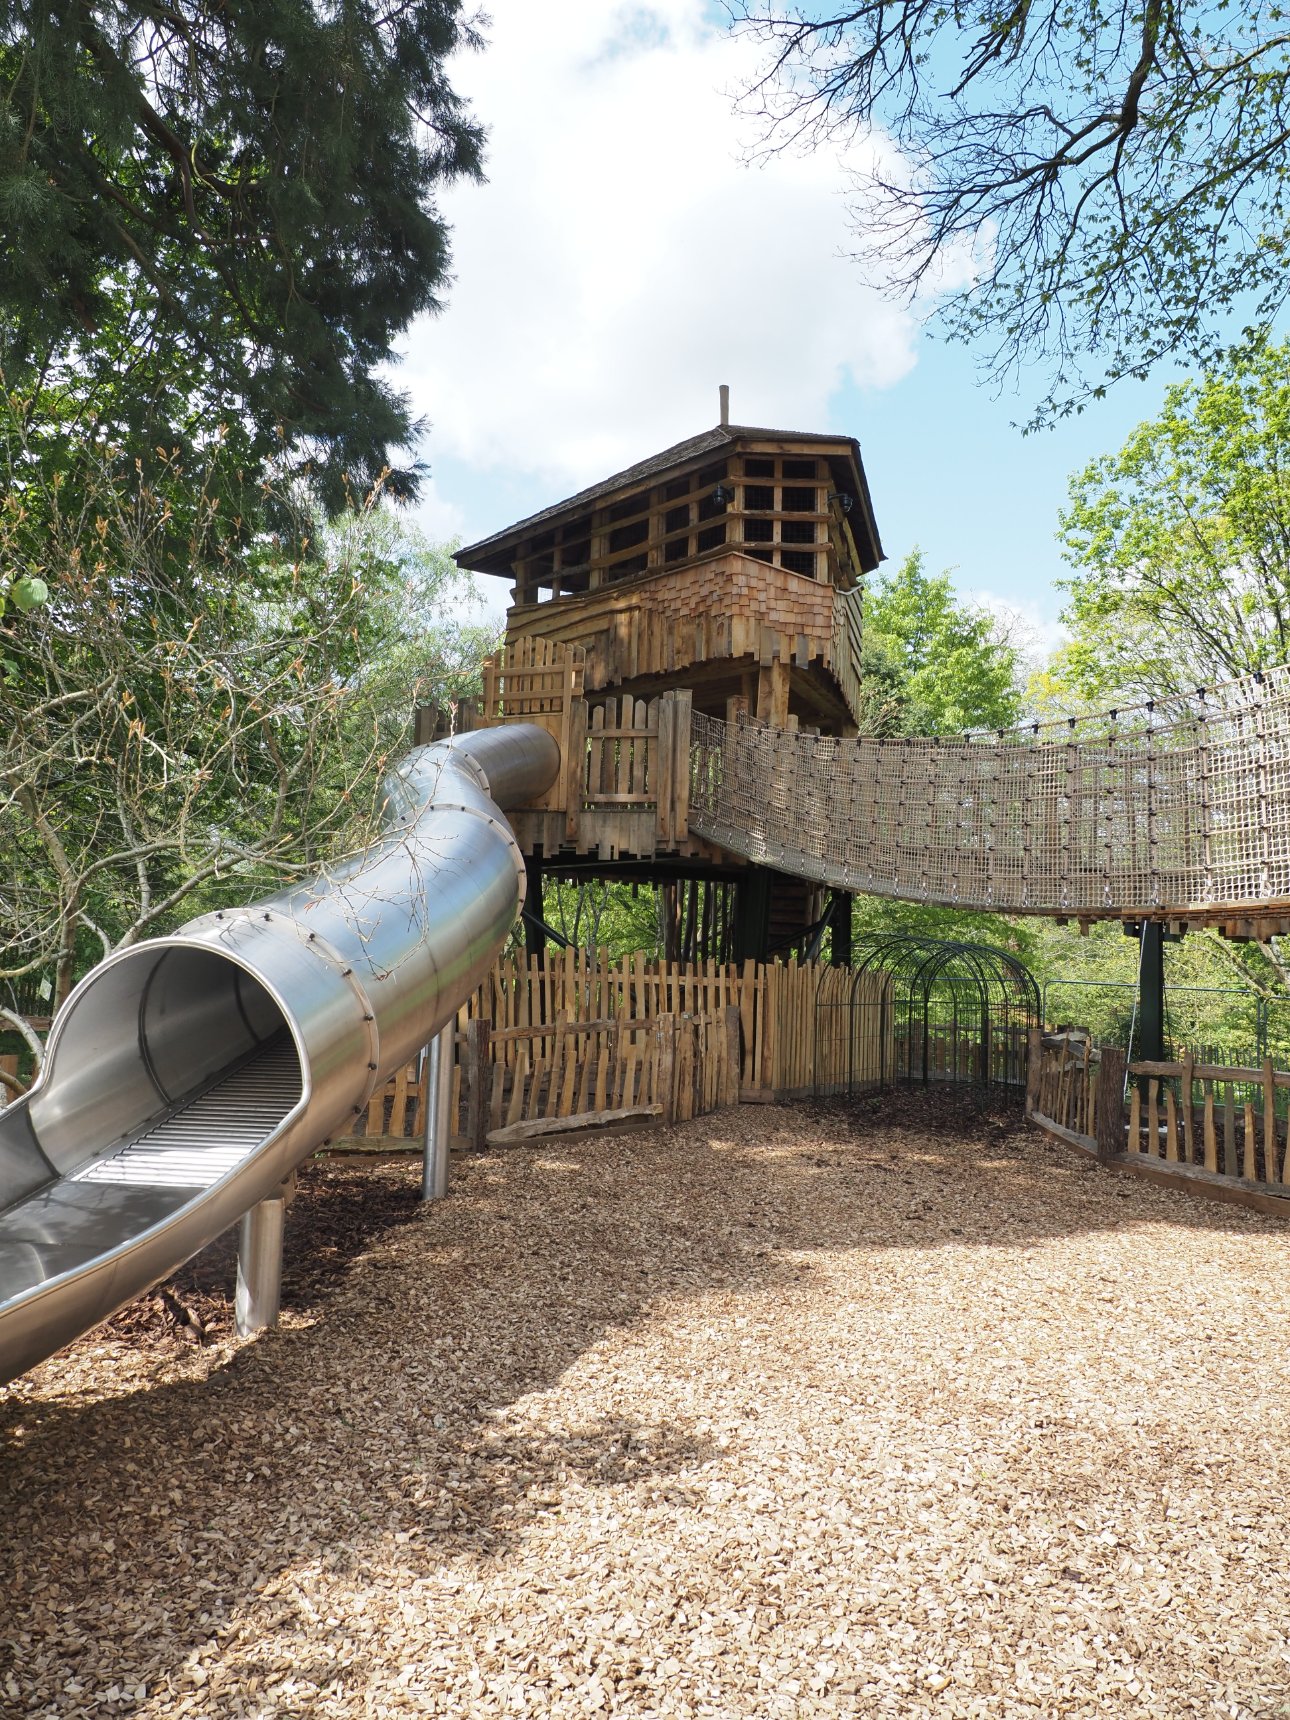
(497, 554)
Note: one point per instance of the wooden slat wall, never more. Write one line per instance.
(586, 1033)
(537, 680)
(620, 757)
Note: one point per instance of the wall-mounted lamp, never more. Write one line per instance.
(723, 496)
(844, 501)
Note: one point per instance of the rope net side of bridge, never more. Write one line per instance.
(1174, 804)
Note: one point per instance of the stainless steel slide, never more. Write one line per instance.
(186, 1077)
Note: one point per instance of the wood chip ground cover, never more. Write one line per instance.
(783, 1412)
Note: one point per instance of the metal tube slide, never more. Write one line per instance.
(186, 1077)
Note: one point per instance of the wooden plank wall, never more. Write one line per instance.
(848, 630)
(585, 1033)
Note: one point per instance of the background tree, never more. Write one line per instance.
(930, 664)
(1181, 541)
(182, 735)
(1105, 180)
(223, 216)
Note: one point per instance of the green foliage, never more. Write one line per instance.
(24, 592)
(216, 220)
(599, 914)
(875, 916)
(184, 730)
(1077, 181)
(931, 664)
(1182, 539)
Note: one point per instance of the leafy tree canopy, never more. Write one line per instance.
(930, 664)
(183, 732)
(1181, 541)
(1106, 180)
(220, 217)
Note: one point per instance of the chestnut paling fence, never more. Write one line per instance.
(1210, 1122)
(1175, 803)
(581, 1034)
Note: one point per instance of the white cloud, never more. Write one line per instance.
(438, 516)
(1034, 630)
(621, 262)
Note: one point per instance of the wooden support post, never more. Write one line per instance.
(772, 693)
(840, 929)
(1034, 1068)
(1109, 1104)
(477, 1066)
(425, 720)
(752, 915)
(534, 936)
(1151, 1005)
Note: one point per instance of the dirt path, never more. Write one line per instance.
(774, 1414)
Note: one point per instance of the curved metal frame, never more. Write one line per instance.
(915, 966)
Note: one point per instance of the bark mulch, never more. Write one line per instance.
(896, 1410)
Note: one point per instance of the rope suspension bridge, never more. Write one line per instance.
(1178, 806)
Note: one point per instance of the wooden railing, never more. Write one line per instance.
(1227, 1121)
(582, 1036)
(535, 681)
(1214, 1129)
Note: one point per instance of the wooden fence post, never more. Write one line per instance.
(1109, 1104)
(665, 1065)
(477, 1064)
(1034, 1059)
(730, 1090)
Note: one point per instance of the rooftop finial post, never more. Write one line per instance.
(723, 390)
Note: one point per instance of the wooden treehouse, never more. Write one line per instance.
(723, 575)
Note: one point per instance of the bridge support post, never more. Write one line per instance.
(840, 929)
(1151, 1001)
(259, 1265)
(752, 915)
(438, 1117)
(534, 935)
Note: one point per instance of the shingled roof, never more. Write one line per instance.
(486, 556)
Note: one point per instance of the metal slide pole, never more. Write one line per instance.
(438, 1123)
(259, 1266)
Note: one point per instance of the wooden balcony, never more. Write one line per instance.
(725, 609)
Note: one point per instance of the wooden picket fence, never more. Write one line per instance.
(581, 1035)
(1066, 1083)
(1211, 1128)
(1224, 1120)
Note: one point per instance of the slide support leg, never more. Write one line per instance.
(259, 1266)
(438, 1123)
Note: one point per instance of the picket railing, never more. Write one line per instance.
(1223, 1120)
(1211, 1127)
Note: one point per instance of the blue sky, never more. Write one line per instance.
(623, 260)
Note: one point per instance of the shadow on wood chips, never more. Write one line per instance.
(992, 1117)
(341, 1208)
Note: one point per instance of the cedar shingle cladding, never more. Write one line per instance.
(771, 495)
